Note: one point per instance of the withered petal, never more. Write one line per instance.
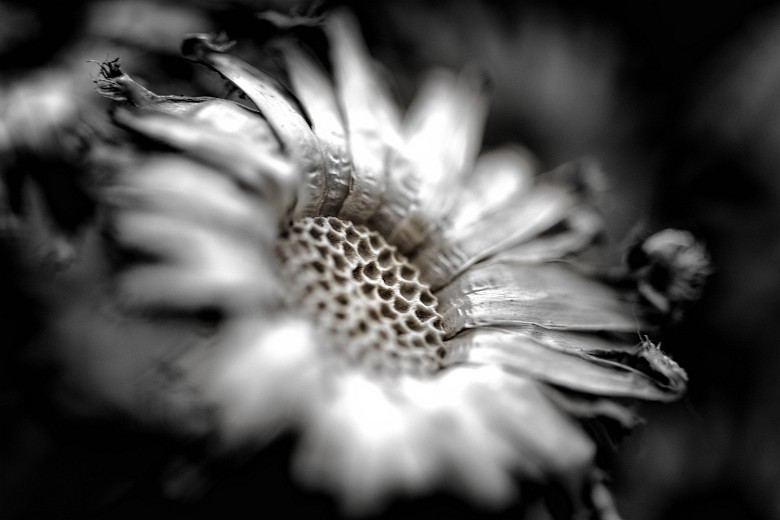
(551, 295)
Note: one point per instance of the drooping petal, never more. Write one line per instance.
(315, 91)
(371, 117)
(291, 128)
(552, 295)
(448, 255)
(517, 351)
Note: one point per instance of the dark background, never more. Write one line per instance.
(679, 102)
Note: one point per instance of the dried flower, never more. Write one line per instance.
(414, 310)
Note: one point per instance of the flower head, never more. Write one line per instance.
(415, 311)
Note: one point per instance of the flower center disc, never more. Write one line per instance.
(364, 294)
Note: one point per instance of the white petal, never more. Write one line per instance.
(371, 117)
(470, 430)
(500, 177)
(196, 267)
(262, 380)
(443, 134)
(194, 192)
(457, 249)
(551, 295)
(365, 444)
(572, 236)
(516, 351)
(314, 90)
(513, 425)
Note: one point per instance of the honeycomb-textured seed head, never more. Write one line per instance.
(364, 294)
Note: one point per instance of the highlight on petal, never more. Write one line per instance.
(552, 295)
(365, 444)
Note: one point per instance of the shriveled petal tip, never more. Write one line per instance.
(294, 132)
(519, 352)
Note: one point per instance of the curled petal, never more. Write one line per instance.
(554, 296)
(314, 89)
(291, 128)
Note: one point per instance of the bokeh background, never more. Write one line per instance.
(677, 102)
